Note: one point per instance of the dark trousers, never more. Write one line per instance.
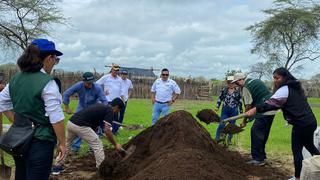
(302, 136)
(37, 162)
(119, 118)
(259, 136)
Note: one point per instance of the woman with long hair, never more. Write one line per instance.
(290, 98)
(33, 95)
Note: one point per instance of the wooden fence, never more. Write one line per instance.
(190, 88)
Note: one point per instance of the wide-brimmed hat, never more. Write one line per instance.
(238, 76)
(115, 67)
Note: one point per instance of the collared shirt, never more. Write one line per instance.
(231, 100)
(50, 95)
(86, 96)
(127, 85)
(165, 89)
(113, 85)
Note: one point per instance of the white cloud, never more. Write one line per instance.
(197, 38)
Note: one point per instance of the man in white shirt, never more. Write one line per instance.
(112, 86)
(127, 87)
(164, 93)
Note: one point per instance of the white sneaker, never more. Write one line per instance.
(292, 178)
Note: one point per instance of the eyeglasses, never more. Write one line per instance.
(165, 74)
(57, 61)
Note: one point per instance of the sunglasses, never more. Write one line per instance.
(165, 74)
(56, 60)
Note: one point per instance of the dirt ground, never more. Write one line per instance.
(176, 147)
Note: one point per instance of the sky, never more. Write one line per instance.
(189, 37)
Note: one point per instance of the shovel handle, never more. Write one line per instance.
(120, 124)
(234, 118)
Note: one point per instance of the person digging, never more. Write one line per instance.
(83, 124)
(230, 98)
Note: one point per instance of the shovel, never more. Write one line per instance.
(208, 116)
(5, 170)
(126, 153)
(132, 127)
(234, 118)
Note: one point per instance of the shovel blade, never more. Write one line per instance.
(232, 129)
(129, 151)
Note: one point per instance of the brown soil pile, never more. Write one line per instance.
(208, 116)
(176, 147)
(231, 129)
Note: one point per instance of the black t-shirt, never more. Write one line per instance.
(93, 116)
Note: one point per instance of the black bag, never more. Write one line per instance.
(18, 139)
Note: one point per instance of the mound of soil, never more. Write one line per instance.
(176, 147)
(208, 116)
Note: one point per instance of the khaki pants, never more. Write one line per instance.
(87, 134)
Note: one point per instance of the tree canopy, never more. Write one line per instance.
(24, 20)
(289, 36)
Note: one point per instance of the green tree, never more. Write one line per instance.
(24, 20)
(289, 35)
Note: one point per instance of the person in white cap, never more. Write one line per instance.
(230, 97)
(127, 87)
(164, 92)
(255, 92)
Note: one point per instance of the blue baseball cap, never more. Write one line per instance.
(124, 72)
(45, 45)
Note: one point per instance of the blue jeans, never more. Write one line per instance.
(76, 144)
(37, 162)
(259, 136)
(158, 109)
(226, 112)
(115, 127)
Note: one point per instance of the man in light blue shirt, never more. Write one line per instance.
(89, 93)
(164, 92)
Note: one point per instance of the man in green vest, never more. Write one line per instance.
(255, 92)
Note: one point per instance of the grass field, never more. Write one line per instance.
(139, 112)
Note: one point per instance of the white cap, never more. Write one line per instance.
(230, 78)
(238, 76)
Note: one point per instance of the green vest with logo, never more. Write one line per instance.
(258, 90)
(25, 92)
